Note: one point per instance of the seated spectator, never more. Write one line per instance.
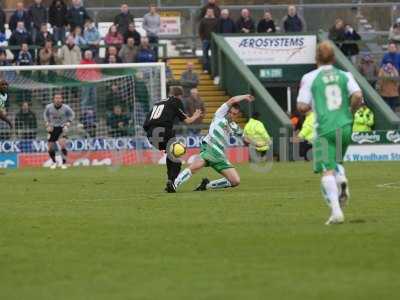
(189, 79)
(207, 26)
(69, 54)
(58, 19)
(255, 134)
(351, 50)
(20, 15)
(118, 123)
(145, 53)
(388, 85)
(266, 25)
(293, 22)
(112, 59)
(113, 37)
(79, 39)
(128, 52)
(392, 56)
(76, 15)
(123, 19)
(114, 97)
(112, 52)
(363, 119)
(368, 69)
(245, 24)
(47, 54)
(394, 32)
(211, 4)
(225, 24)
(44, 35)
(3, 21)
(24, 57)
(192, 103)
(3, 58)
(18, 37)
(337, 32)
(25, 122)
(38, 16)
(88, 77)
(92, 37)
(132, 32)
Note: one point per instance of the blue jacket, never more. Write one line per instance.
(145, 55)
(92, 35)
(393, 58)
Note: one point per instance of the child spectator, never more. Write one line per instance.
(113, 37)
(266, 25)
(24, 57)
(245, 24)
(58, 19)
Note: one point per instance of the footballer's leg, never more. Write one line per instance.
(52, 153)
(340, 173)
(231, 179)
(186, 174)
(64, 152)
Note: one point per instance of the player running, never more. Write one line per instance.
(330, 93)
(212, 153)
(58, 118)
(3, 101)
(159, 126)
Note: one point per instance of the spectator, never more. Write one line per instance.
(3, 58)
(266, 25)
(245, 24)
(255, 134)
(142, 98)
(337, 32)
(92, 37)
(89, 121)
(58, 19)
(168, 72)
(113, 37)
(368, 69)
(192, 103)
(349, 49)
(44, 36)
(392, 56)
(363, 119)
(394, 32)
(25, 122)
(117, 123)
(210, 4)
(189, 79)
(76, 15)
(79, 39)
(113, 98)
(151, 24)
(24, 57)
(293, 22)
(18, 37)
(132, 32)
(88, 77)
(3, 20)
(388, 85)
(112, 52)
(47, 54)
(207, 25)
(20, 15)
(123, 19)
(38, 16)
(145, 53)
(69, 54)
(128, 51)
(225, 23)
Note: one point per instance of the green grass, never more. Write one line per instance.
(101, 234)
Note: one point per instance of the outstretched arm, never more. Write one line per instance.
(189, 120)
(237, 99)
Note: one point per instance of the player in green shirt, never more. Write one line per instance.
(3, 101)
(332, 94)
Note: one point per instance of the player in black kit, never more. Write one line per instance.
(159, 125)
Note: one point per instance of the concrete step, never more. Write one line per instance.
(178, 67)
(214, 98)
(213, 93)
(202, 88)
(183, 60)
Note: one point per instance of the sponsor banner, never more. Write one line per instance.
(9, 161)
(373, 153)
(170, 25)
(275, 50)
(124, 158)
(376, 137)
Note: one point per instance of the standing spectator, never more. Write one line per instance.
(123, 19)
(24, 57)
(132, 32)
(112, 56)
(151, 24)
(245, 24)
(266, 25)
(38, 16)
(88, 77)
(225, 23)
(70, 54)
(47, 54)
(210, 4)
(117, 122)
(44, 36)
(76, 15)
(25, 122)
(20, 15)
(337, 32)
(388, 85)
(89, 121)
(349, 49)
(193, 103)
(19, 36)
(394, 32)
(92, 37)
(145, 53)
(207, 25)
(392, 56)
(79, 39)
(128, 51)
(58, 19)
(113, 37)
(3, 20)
(189, 79)
(368, 69)
(293, 22)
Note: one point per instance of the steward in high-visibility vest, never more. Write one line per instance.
(255, 133)
(363, 119)
(307, 130)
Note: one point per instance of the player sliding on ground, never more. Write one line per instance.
(330, 93)
(212, 153)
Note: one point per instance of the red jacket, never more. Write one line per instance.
(88, 74)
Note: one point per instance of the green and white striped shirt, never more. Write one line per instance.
(3, 100)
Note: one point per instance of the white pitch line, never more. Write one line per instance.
(389, 185)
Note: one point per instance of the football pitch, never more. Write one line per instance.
(101, 233)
